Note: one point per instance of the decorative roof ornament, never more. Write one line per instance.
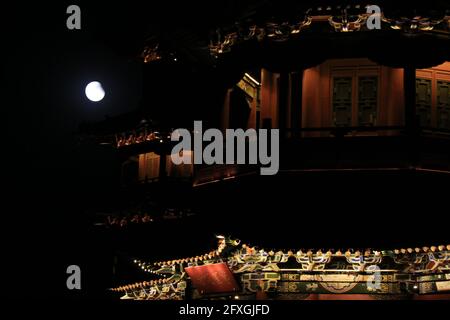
(283, 31)
(413, 24)
(397, 271)
(218, 46)
(275, 31)
(156, 49)
(416, 20)
(348, 20)
(151, 53)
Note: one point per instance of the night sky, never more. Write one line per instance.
(49, 180)
(45, 68)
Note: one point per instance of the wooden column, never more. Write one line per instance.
(283, 101)
(163, 164)
(225, 112)
(409, 78)
(269, 99)
(295, 102)
(411, 123)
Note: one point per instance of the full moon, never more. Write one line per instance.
(94, 91)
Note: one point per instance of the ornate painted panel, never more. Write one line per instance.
(238, 269)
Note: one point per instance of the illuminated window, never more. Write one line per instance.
(149, 164)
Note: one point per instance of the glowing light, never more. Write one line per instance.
(253, 79)
(94, 91)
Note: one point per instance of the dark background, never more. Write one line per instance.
(49, 180)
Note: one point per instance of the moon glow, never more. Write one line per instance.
(94, 91)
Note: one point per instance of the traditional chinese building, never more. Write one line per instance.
(318, 73)
(362, 101)
(238, 271)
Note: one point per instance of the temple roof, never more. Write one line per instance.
(185, 31)
(403, 265)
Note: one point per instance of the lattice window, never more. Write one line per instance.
(342, 101)
(423, 101)
(149, 166)
(367, 100)
(443, 104)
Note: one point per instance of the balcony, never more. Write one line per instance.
(388, 148)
